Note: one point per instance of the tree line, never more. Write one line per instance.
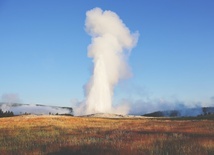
(6, 113)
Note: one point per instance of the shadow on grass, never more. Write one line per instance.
(172, 146)
(86, 149)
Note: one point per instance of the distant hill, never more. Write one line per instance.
(202, 111)
(38, 109)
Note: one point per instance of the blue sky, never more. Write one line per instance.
(43, 49)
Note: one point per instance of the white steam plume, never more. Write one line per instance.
(110, 47)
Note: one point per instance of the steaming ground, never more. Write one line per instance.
(109, 115)
(111, 44)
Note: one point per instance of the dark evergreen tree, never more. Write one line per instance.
(6, 113)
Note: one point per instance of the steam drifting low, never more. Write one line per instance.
(111, 44)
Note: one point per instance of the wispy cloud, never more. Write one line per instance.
(10, 98)
(141, 106)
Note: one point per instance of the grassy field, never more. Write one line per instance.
(54, 135)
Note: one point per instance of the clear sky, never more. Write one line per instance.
(43, 49)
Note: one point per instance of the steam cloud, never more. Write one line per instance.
(10, 98)
(110, 47)
(18, 109)
(12, 102)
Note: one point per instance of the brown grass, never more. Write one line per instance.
(74, 135)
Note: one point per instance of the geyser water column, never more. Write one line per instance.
(110, 46)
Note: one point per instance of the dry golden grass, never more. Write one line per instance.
(81, 135)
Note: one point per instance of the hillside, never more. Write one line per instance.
(183, 112)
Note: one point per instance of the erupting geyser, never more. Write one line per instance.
(110, 46)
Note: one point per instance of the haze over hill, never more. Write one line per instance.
(37, 109)
(200, 111)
